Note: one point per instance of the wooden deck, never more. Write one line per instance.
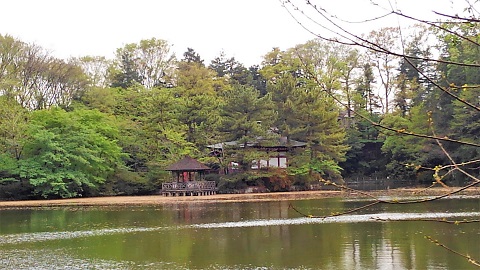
(190, 188)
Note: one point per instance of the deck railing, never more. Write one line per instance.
(189, 188)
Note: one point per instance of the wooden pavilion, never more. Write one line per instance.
(188, 179)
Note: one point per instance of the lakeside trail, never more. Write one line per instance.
(218, 198)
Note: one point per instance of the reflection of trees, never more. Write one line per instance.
(336, 245)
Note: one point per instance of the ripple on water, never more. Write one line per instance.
(23, 259)
(338, 219)
(48, 236)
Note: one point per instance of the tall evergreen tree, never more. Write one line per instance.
(191, 56)
(246, 117)
(316, 122)
(149, 63)
(283, 93)
(128, 74)
(198, 96)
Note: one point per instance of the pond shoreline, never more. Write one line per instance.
(248, 197)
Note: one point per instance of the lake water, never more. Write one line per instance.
(259, 235)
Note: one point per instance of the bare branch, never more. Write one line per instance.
(438, 26)
(456, 17)
(378, 125)
(356, 40)
(470, 260)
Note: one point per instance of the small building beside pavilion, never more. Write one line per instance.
(276, 150)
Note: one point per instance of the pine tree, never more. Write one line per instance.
(246, 117)
(316, 122)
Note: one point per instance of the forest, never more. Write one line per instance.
(93, 126)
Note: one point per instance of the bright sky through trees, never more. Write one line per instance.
(246, 29)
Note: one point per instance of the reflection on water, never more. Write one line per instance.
(45, 236)
(239, 236)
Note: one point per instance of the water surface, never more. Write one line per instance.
(257, 235)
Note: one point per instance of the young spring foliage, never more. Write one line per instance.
(68, 154)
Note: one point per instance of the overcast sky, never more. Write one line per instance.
(244, 29)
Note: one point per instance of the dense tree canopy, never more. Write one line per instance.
(68, 154)
(93, 125)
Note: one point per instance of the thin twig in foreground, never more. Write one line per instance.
(470, 260)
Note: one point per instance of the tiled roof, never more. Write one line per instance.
(187, 164)
(281, 142)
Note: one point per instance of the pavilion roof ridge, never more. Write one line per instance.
(187, 163)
